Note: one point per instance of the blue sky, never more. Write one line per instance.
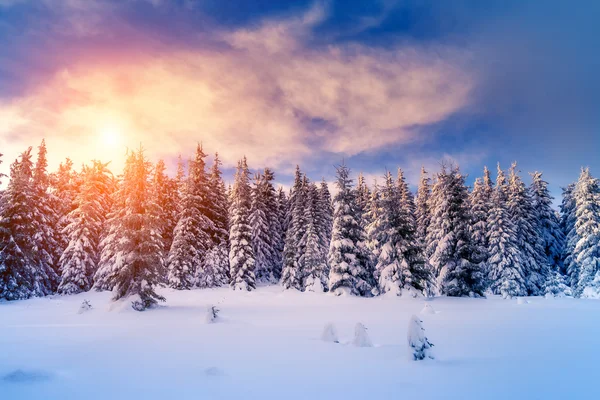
(380, 84)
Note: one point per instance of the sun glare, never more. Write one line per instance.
(110, 137)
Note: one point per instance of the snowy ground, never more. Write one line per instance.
(268, 346)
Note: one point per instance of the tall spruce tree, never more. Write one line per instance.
(264, 230)
(586, 254)
(506, 270)
(79, 261)
(363, 196)
(552, 236)
(400, 264)
(530, 243)
(481, 201)
(191, 237)
(349, 260)
(313, 261)
(137, 263)
(216, 261)
(280, 226)
(567, 225)
(241, 254)
(45, 217)
(165, 195)
(422, 211)
(292, 277)
(23, 271)
(449, 238)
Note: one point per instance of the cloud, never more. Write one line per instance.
(265, 94)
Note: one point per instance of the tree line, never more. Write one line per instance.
(72, 231)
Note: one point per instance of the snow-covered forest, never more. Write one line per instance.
(70, 231)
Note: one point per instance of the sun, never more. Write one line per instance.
(110, 137)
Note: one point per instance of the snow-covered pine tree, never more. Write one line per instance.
(349, 261)
(282, 205)
(400, 264)
(449, 238)
(22, 272)
(480, 200)
(65, 186)
(531, 245)
(548, 222)
(326, 209)
(506, 271)
(241, 254)
(292, 277)
(420, 347)
(313, 261)
(216, 261)
(165, 195)
(587, 225)
(556, 285)
(567, 225)
(422, 211)
(79, 261)
(263, 213)
(191, 237)
(363, 196)
(45, 218)
(136, 270)
(405, 196)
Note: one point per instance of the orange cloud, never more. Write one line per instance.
(255, 98)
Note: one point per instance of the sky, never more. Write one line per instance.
(378, 84)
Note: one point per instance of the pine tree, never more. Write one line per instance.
(191, 237)
(422, 211)
(400, 264)
(586, 254)
(291, 275)
(136, 270)
(216, 261)
(348, 255)
(449, 238)
(23, 273)
(530, 243)
(279, 222)
(64, 185)
(406, 198)
(262, 219)
(363, 195)
(548, 223)
(165, 195)
(241, 254)
(567, 225)
(481, 201)
(45, 218)
(79, 261)
(313, 261)
(506, 271)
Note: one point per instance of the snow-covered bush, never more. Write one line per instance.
(361, 337)
(417, 341)
(427, 309)
(330, 334)
(85, 306)
(212, 314)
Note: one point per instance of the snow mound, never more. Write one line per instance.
(27, 376)
(361, 337)
(420, 347)
(84, 307)
(521, 300)
(212, 314)
(214, 371)
(330, 334)
(427, 309)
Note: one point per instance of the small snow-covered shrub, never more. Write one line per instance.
(427, 309)
(522, 300)
(361, 337)
(212, 314)
(330, 334)
(85, 306)
(417, 341)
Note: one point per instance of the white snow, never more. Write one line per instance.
(427, 309)
(268, 347)
(361, 337)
